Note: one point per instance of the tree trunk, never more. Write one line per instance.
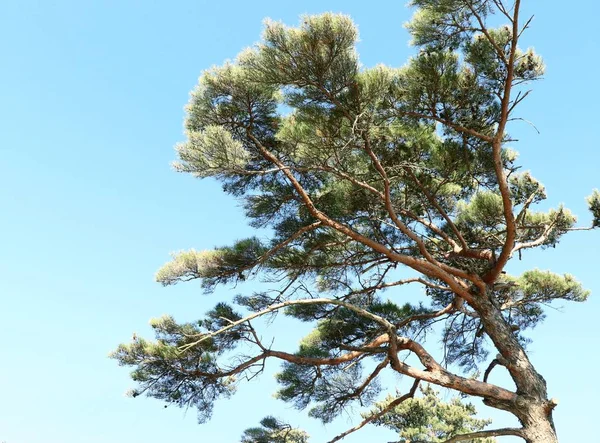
(538, 425)
(513, 357)
(532, 407)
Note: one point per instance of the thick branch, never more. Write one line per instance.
(456, 382)
(379, 194)
(327, 361)
(434, 372)
(511, 229)
(483, 434)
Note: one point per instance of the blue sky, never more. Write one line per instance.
(92, 96)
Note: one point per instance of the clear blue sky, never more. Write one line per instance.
(92, 96)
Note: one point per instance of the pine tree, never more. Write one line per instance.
(368, 180)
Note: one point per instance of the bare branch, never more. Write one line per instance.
(220, 374)
(520, 97)
(582, 228)
(396, 283)
(488, 371)
(358, 391)
(503, 9)
(526, 121)
(526, 26)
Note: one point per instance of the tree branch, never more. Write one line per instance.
(390, 209)
(526, 205)
(389, 407)
(459, 128)
(448, 309)
(440, 210)
(540, 240)
(502, 9)
(511, 230)
(397, 283)
(434, 372)
(526, 25)
(485, 32)
(423, 266)
(448, 380)
(518, 432)
(314, 301)
(488, 371)
(286, 242)
(378, 193)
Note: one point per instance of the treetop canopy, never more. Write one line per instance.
(366, 179)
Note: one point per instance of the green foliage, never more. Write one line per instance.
(436, 23)
(594, 205)
(544, 286)
(549, 227)
(163, 371)
(168, 370)
(525, 189)
(351, 172)
(212, 151)
(483, 210)
(213, 267)
(429, 419)
(189, 264)
(317, 56)
(272, 430)
(329, 389)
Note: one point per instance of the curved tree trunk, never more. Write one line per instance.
(532, 407)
